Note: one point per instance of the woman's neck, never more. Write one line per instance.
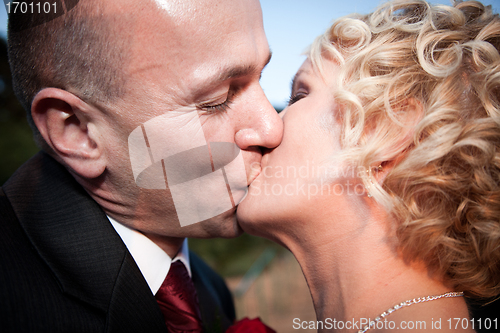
(354, 271)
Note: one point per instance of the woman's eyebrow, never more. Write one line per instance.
(300, 73)
(296, 77)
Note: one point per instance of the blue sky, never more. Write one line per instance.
(291, 26)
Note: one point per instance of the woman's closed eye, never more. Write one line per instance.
(298, 87)
(297, 96)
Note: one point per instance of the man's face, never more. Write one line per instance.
(196, 66)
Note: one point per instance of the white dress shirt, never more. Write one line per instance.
(153, 262)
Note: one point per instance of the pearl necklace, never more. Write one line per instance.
(409, 302)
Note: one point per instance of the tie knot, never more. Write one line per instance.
(178, 301)
(178, 279)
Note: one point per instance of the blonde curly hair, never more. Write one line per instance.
(419, 89)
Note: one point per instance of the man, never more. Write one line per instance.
(89, 78)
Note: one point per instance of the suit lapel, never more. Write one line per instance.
(74, 237)
(129, 310)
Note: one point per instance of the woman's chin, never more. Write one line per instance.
(258, 220)
(246, 215)
(252, 216)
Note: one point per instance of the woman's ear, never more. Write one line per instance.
(409, 114)
(68, 126)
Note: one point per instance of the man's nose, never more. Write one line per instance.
(262, 125)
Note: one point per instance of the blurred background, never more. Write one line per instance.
(265, 278)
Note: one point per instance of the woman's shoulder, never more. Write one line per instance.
(443, 315)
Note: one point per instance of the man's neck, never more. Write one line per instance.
(171, 245)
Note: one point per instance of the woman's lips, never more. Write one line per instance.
(255, 169)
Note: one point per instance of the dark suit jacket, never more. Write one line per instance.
(63, 268)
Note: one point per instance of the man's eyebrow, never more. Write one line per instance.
(241, 70)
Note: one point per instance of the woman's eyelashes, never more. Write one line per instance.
(299, 89)
(295, 97)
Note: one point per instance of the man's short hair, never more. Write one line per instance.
(78, 52)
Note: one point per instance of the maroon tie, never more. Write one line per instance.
(178, 301)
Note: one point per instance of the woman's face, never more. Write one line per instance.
(300, 178)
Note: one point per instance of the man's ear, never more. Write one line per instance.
(68, 126)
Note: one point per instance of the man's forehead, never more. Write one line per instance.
(176, 8)
(178, 39)
(177, 52)
(194, 10)
(192, 20)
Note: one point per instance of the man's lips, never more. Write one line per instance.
(255, 169)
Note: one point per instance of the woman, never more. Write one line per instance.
(386, 184)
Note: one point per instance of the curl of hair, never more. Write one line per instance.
(419, 86)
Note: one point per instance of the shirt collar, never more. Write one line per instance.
(153, 262)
